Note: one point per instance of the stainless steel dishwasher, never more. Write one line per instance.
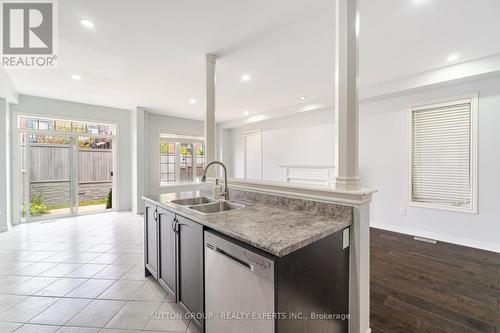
(239, 288)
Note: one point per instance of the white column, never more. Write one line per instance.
(210, 108)
(359, 270)
(346, 96)
(138, 158)
(346, 159)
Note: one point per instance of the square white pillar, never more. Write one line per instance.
(210, 108)
(346, 96)
(138, 158)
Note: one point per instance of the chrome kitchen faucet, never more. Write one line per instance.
(204, 178)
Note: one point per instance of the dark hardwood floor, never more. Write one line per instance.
(423, 288)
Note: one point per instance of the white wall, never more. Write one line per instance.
(301, 139)
(4, 166)
(384, 166)
(78, 111)
(384, 161)
(155, 123)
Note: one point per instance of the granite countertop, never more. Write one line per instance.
(274, 230)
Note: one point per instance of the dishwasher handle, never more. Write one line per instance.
(229, 256)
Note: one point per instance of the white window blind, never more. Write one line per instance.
(442, 155)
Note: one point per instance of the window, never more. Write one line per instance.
(64, 126)
(443, 155)
(182, 158)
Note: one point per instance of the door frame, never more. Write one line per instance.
(16, 163)
(246, 134)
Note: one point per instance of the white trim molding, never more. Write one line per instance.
(493, 247)
(306, 174)
(473, 70)
(304, 191)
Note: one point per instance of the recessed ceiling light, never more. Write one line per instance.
(302, 98)
(245, 113)
(452, 57)
(192, 101)
(76, 77)
(87, 23)
(245, 78)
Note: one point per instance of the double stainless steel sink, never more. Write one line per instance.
(206, 205)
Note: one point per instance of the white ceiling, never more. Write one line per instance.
(150, 53)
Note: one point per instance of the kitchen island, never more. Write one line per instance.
(294, 254)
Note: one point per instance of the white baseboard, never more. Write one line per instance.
(439, 237)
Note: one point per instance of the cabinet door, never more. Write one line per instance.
(167, 274)
(190, 289)
(150, 239)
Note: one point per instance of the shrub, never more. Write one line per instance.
(109, 203)
(37, 207)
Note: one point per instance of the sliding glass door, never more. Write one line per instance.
(47, 177)
(95, 174)
(65, 168)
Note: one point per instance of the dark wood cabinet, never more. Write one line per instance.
(173, 254)
(151, 240)
(167, 270)
(311, 280)
(190, 265)
(314, 280)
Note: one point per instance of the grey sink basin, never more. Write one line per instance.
(193, 201)
(215, 207)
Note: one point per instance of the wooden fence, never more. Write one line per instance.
(50, 163)
(53, 163)
(95, 165)
(50, 173)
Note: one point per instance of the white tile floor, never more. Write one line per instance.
(82, 274)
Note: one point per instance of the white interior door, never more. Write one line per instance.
(253, 155)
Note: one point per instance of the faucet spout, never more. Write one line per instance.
(204, 177)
